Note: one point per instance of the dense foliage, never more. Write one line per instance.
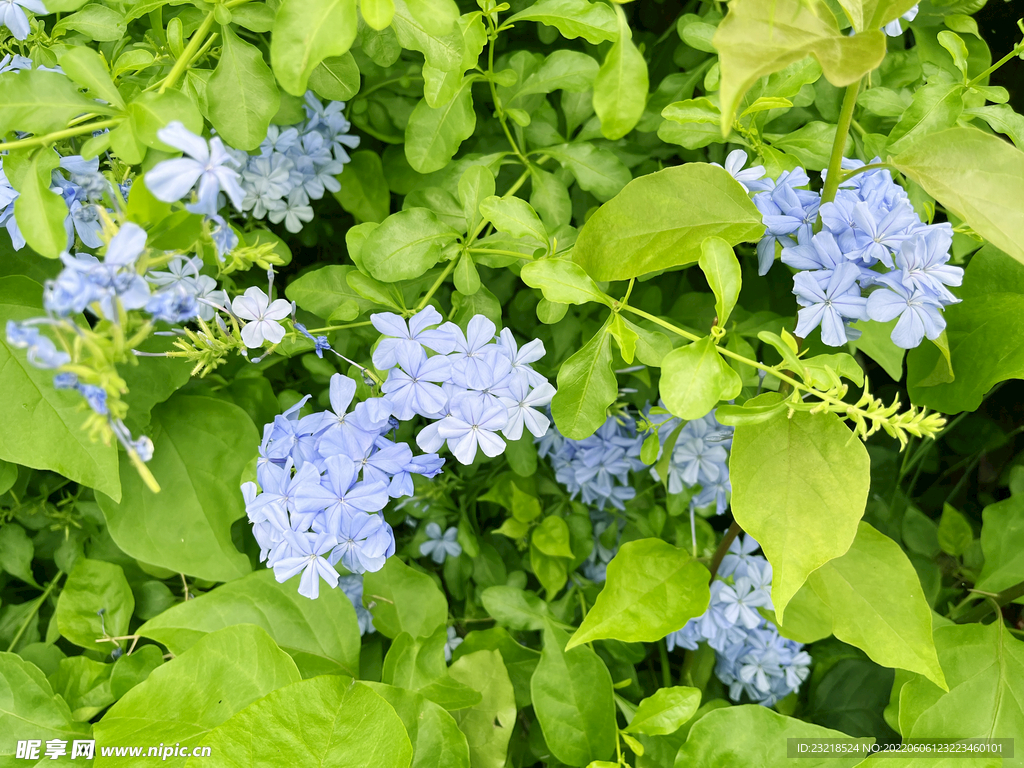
(559, 383)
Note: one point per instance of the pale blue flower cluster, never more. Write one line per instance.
(324, 479)
(596, 468)
(700, 458)
(595, 567)
(752, 657)
(873, 258)
(297, 164)
(82, 187)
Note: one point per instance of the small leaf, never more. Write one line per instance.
(305, 33)
(665, 711)
(695, 378)
(586, 387)
(620, 89)
(722, 269)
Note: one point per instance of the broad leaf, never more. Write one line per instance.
(665, 710)
(975, 175)
(184, 700)
(1002, 542)
(563, 282)
(434, 134)
(435, 736)
(242, 93)
(586, 387)
(342, 723)
(305, 33)
(594, 22)
(404, 600)
(40, 211)
(515, 608)
(364, 191)
(202, 446)
(96, 602)
(573, 699)
(620, 90)
(321, 635)
(660, 221)
(651, 590)
(488, 725)
(695, 378)
(800, 485)
(720, 266)
(759, 37)
(40, 102)
(405, 245)
(872, 598)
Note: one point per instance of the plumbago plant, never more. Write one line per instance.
(565, 383)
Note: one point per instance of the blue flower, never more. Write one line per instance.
(521, 404)
(205, 166)
(751, 179)
(453, 642)
(741, 557)
(345, 496)
(173, 305)
(438, 545)
(472, 425)
(364, 543)
(307, 556)
(42, 352)
(918, 312)
(893, 28)
(922, 261)
(262, 313)
(12, 15)
(469, 354)
(829, 305)
(96, 397)
(412, 388)
(295, 212)
(352, 586)
(399, 336)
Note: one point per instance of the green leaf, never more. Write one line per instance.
(759, 37)
(514, 216)
(377, 13)
(665, 711)
(88, 68)
(404, 600)
(96, 602)
(364, 191)
(42, 425)
(872, 14)
(40, 102)
(434, 134)
(573, 700)
(552, 537)
(695, 378)
(415, 662)
(594, 22)
(651, 587)
(722, 269)
(321, 635)
(955, 534)
(975, 175)
(443, 51)
(405, 245)
(934, 107)
(488, 725)
(130, 671)
(872, 598)
(597, 170)
(562, 70)
(185, 699)
(40, 212)
(754, 737)
(336, 78)
(1002, 541)
(985, 333)
(305, 33)
(326, 290)
(152, 111)
(30, 705)
(661, 220)
(984, 666)
(620, 89)
(586, 387)
(96, 22)
(563, 282)
(435, 736)
(84, 684)
(201, 447)
(242, 93)
(343, 723)
(16, 548)
(515, 608)
(800, 485)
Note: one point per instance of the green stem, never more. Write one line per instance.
(67, 133)
(437, 284)
(846, 175)
(328, 328)
(998, 600)
(1014, 52)
(666, 670)
(723, 547)
(35, 609)
(835, 163)
(194, 44)
(497, 252)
